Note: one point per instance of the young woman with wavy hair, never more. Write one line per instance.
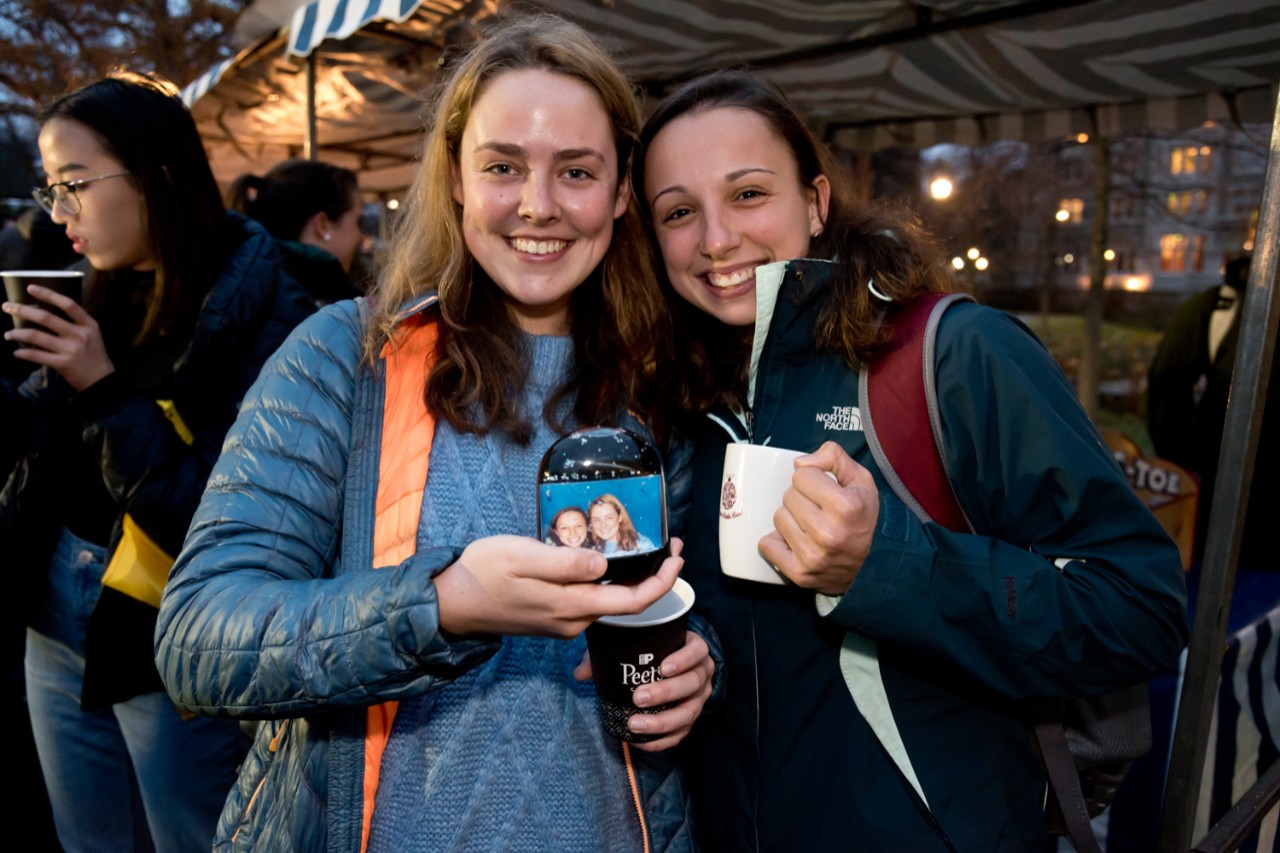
(369, 534)
(876, 693)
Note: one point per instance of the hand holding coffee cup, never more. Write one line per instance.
(52, 330)
(824, 528)
(627, 653)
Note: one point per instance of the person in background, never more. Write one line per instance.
(1187, 389)
(33, 242)
(364, 573)
(315, 208)
(119, 427)
(875, 701)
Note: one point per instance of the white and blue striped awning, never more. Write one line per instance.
(869, 73)
(337, 19)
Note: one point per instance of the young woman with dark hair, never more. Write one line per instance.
(365, 573)
(120, 427)
(568, 527)
(875, 699)
(315, 208)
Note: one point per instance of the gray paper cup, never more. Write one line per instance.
(626, 652)
(67, 282)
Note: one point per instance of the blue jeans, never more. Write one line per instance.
(130, 776)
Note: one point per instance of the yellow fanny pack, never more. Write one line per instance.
(139, 567)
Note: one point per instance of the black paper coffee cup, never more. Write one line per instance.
(627, 651)
(66, 282)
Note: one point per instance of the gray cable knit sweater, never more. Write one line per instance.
(511, 756)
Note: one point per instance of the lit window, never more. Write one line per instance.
(1073, 208)
(1180, 253)
(1173, 253)
(1189, 159)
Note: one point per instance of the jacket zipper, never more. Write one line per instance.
(271, 748)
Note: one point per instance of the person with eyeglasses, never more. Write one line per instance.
(119, 427)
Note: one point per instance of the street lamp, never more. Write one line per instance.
(979, 264)
(940, 188)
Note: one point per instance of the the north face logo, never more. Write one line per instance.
(841, 419)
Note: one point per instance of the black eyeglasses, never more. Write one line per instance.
(63, 193)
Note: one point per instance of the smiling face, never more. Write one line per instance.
(110, 229)
(537, 178)
(727, 197)
(571, 528)
(604, 522)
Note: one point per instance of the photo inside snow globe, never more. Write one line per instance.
(603, 489)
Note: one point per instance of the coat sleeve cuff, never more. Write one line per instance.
(474, 648)
(881, 572)
(101, 399)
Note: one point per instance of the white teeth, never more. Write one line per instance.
(734, 278)
(538, 247)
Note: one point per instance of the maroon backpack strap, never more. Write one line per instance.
(898, 387)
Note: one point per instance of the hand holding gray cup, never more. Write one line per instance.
(66, 282)
(627, 651)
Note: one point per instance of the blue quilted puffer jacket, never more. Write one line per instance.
(264, 607)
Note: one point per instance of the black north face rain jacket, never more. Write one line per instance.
(889, 719)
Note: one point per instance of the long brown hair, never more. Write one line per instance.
(872, 242)
(628, 537)
(616, 317)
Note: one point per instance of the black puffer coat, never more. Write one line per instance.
(150, 472)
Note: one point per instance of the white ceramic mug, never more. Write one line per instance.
(751, 488)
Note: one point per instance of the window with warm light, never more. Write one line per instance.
(1073, 208)
(1173, 253)
(1188, 159)
(1182, 253)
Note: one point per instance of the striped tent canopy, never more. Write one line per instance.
(869, 73)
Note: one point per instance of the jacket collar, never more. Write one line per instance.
(417, 305)
(786, 295)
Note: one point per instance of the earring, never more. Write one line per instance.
(816, 232)
(325, 236)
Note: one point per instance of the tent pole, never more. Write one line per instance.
(309, 151)
(1245, 406)
(1088, 379)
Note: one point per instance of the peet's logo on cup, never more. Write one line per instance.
(841, 419)
(634, 675)
(729, 499)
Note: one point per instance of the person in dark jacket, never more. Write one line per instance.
(875, 698)
(1187, 390)
(365, 571)
(120, 426)
(314, 208)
